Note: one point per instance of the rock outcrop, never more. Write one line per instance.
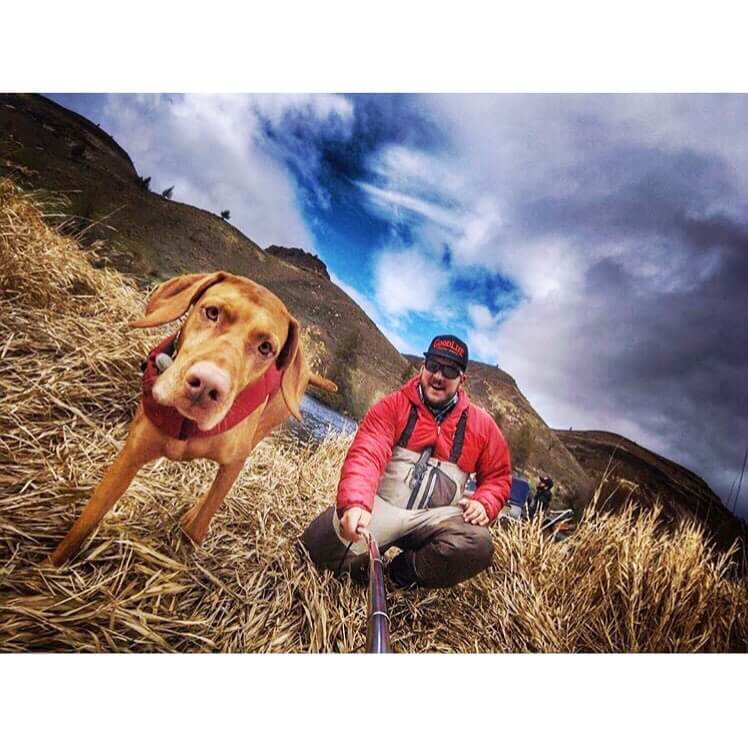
(300, 258)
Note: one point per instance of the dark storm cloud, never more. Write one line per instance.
(630, 191)
(675, 363)
(675, 360)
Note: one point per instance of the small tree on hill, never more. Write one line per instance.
(145, 182)
(521, 443)
(168, 192)
(226, 215)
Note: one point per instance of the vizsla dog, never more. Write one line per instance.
(232, 373)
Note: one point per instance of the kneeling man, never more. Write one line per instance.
(404, 477)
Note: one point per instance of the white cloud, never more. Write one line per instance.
(480, 315)
(374, 314)
(210, 147)
(438, 190)
(391, 201)
(407, 281)
(478, 228)
(413, 170)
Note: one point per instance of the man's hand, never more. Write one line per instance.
(353, 523)
(473, 512)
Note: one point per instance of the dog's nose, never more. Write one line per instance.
(205, 381)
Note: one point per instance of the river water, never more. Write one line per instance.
(320, 421)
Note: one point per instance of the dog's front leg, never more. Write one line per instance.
(196, 522)
(114, 483)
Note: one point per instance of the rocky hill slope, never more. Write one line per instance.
(299, 257)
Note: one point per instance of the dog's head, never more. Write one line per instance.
(235, 330)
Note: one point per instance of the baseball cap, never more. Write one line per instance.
(449, 347)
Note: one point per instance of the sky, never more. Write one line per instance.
(594, 246)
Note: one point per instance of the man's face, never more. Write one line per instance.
(436, 387)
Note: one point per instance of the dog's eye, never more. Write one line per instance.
(265, 348)
(211, 312)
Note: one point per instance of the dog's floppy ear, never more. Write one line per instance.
(174, 297)
(291, 361)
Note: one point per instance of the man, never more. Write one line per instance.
(404, 476)
(541, 499)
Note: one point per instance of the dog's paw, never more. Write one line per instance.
(51, 563)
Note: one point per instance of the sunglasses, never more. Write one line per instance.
(447, 370)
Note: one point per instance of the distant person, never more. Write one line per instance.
(404, 476)
(542, 498)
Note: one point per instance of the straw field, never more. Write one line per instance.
(69, 382)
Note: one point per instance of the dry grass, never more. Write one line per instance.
(69, 379)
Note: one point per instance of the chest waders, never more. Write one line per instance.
(416, 489)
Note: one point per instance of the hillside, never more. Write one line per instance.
(45, 146)
(632, 475)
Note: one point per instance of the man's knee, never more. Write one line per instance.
(485, 548)
(472, 544)
(320, 539)
(327, 551)
(459, 551)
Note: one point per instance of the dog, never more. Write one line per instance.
(233, 372)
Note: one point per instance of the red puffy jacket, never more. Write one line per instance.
(484, 450)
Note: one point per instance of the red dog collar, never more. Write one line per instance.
(172, 423)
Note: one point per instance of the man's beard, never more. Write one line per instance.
(438, 409)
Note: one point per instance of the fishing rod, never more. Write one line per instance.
(740, 482)
(378, 623)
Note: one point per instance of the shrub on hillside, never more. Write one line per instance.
(521, 442)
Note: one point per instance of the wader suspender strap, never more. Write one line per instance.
(459, 439)
(420, 467)
(409, 426)
(419, 470)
